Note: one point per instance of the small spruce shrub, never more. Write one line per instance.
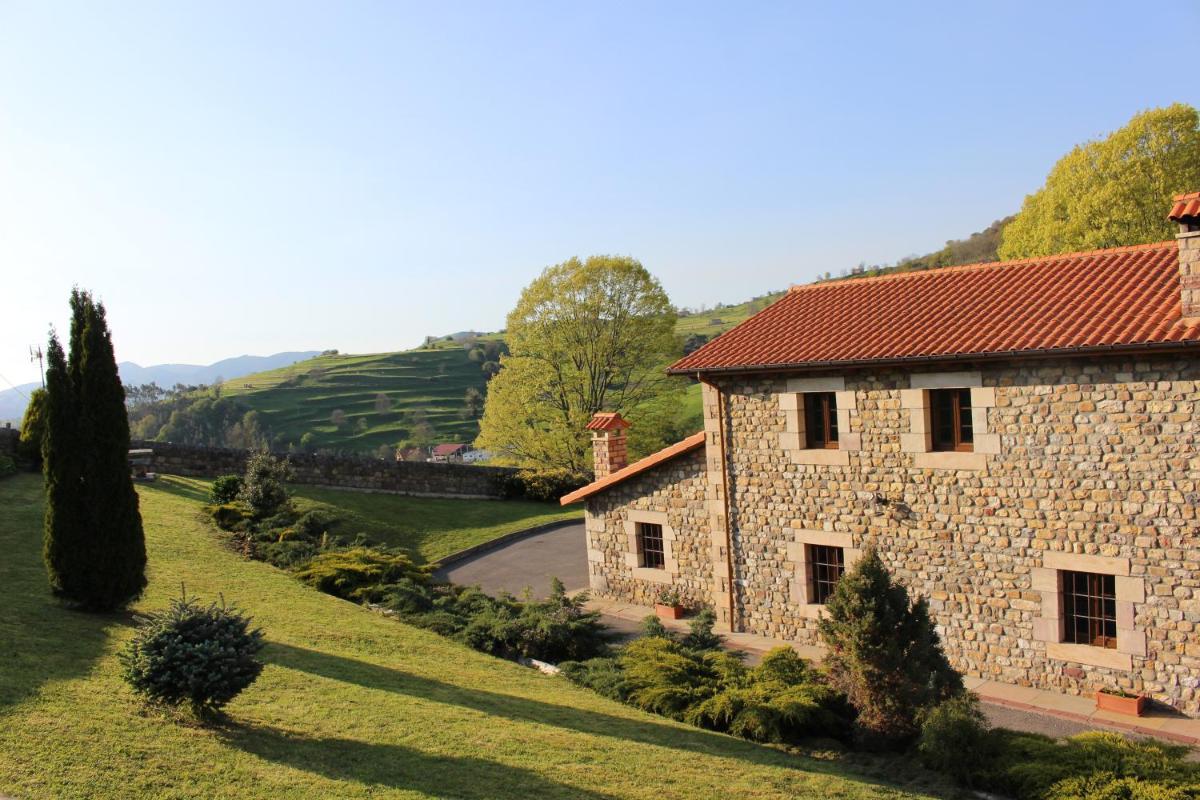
(200, 655)
(225, 489)
(263, 485)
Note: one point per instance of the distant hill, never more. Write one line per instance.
(13, 401)
(979, 247)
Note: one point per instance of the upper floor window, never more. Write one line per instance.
(650, 545)
(950, 419)
(820, 420)
(1089, 608)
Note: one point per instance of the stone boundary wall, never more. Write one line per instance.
(342, 472)
(8, 441)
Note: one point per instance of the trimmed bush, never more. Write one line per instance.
(225, 489)
(555, 629)
(202, 656)
(956, 740)
(546, 485)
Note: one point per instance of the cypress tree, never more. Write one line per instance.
(95, 548)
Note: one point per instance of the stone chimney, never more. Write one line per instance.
(608, 443)
(1186, 211)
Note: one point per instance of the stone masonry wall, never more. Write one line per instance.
(1094, 457)
(676, 489)
(400, 477)
(8, 441)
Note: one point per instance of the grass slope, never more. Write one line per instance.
(301, 398)
(350, 705)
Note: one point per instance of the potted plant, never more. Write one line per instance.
(1121, 702)
(668, 605)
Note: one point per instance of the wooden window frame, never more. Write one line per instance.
(823, 562)
(651, 557)
(821, 407)
(1089, 601)
(960, 422)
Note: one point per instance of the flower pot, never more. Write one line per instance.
(1133, 706)
(668, 612)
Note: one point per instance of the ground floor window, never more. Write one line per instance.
(826, 565)
(650, 546)
(1089, 604)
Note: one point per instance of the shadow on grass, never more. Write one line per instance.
(177, 487)
(398, 767)
(523, 709)
(41, 640)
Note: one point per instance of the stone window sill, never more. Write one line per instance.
(1088, 655)
(652, 575)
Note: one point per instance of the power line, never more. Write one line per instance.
(14, 386)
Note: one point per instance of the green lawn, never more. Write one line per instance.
(350, 705)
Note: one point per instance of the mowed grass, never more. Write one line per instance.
(350, 705)
(302, 397)
(719, 320)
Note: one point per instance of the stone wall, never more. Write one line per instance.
(399, 477)
(672, 494)
(1088, 460)
(8, 441)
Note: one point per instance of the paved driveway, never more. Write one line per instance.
(528, 562)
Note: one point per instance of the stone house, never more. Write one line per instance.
(1019, 440)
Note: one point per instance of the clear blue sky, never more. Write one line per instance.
(253, 177)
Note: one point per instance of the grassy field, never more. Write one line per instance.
(719, 320)
(350, 705)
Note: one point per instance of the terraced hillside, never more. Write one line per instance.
(304, 397)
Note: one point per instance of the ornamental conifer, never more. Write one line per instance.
(95, 550)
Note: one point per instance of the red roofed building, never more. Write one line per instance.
(1019, 440)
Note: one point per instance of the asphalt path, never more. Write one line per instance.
(529, 562)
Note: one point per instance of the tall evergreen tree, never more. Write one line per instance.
(95, 548)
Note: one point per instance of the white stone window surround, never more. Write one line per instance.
(797, 555)
(919, 439)
(1048, 627)
(633, 557)
(792, 440)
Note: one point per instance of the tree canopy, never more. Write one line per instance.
(1114, 191)
(586, 336)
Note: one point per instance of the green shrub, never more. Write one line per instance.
(263, 488)
(652, 626)
(955, 739)
(1106, 786)
(230, 516)
(884, 654)
(602, 675)
(555, 629)
(203, 656)
(361, 574)
(7, 466)
(700, 634)
(225, 489)
(33, 429)
(545, 485)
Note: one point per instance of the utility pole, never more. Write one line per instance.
(35, 354)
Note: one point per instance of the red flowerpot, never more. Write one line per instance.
(1134, 706)
(668, 612)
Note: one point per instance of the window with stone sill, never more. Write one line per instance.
(1089, 607)
(950, 422)
(820, 420)
(826, 565)
(651, 551)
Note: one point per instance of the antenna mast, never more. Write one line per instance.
(35, 354)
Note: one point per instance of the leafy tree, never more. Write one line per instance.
(1111, 192)
(884, 653)
(473, 402)
(264, 487)
(308, 441)
(338, 418)
(95, 550)
(383, 404)
(586, 336)
(33, 428)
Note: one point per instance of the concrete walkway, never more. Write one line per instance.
(527, 562)
(1016, 707)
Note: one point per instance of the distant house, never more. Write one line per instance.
(473, 456)
(448, 453)
(411, 454)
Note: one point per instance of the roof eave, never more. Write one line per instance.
(942, 358)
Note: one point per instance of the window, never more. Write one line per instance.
(1089, 609)
(650, 545)
(950, 419)
(820, 420)
(826, 565)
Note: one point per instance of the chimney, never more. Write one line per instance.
(608, 443)
(1186, 212)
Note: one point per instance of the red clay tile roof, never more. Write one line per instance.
(606, 421)
(1095, 301)
(448, 449)
(1186, 208)
(666, 454)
